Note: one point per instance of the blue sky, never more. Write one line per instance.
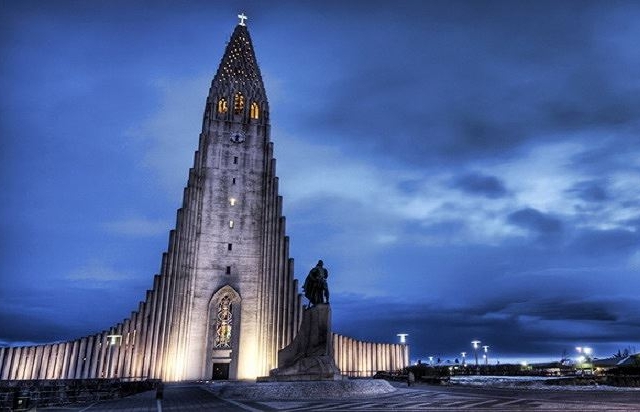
(466, 170)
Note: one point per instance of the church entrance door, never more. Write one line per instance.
(220, 371)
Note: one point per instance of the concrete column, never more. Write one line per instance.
(5, 362)
(360, 361)
(406, 355)
(368, 360)
(139, 342)
(86, 369)
(341, 354)
(162, 315)
(148, 332)
(118, 353)
(94, 365)
(57, 370)
(5, 368)
(271, 355)
(38, 369)
(51, 363)
(353, 357)
(16, 364)
(385, 358)
(27, 363)
(72, 360)
(103, 359)
(80, 358)
(153, 326)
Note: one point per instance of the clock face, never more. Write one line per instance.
(237, 137)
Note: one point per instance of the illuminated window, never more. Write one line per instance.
(238, 103)
(255, 111)
(232, 201)
(222, 106)
(231, 224)
(224, 322)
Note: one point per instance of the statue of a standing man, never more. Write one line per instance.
(315, 286)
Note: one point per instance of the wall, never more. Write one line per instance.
(363, 359)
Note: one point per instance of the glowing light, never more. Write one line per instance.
(114, 339)
(403, 337)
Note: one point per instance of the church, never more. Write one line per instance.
(225, 299)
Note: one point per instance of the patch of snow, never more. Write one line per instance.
(531, 382)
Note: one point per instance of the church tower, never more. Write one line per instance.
(237, 302)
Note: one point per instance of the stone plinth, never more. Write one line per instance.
(310, 356)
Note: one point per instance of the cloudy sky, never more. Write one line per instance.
(467, 170)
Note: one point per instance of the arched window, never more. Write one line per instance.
(255, 110)
(238, 103)
(224, 323)
(222, 106)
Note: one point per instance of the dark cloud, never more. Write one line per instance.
(483, 82)
(616, 242)
(536, 221)
(590, 191)
(550, 309)
(510, 328)
(488, 186)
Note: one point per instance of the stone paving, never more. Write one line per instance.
(199, 397)
(177, 398)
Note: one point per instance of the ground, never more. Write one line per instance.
(200, 397)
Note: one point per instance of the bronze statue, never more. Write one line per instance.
(315, 286)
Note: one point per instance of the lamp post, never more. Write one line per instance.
(587, 352)
(486, 354)
(476, 344)
(403, 337)
(464, 360)
(585, 356)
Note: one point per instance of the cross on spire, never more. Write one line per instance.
(242, 18)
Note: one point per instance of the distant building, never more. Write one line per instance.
(225, 300)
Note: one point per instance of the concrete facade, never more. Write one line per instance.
(225, 299)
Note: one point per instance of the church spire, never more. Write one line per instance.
(237, 91)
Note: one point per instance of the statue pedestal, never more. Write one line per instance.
(310, 356)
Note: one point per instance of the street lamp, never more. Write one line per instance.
(430, 360)
(403, 337)
(464, 361)
(585, 356)
(588, 351)
(486, 355)
(476, 344)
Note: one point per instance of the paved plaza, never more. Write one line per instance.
(199, 397)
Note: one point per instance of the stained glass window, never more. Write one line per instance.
(224, 323)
